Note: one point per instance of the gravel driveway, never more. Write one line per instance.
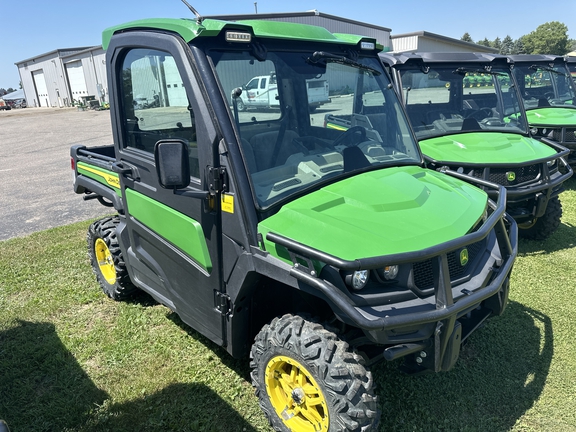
(35, 175)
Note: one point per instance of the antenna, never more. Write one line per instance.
(194, 11)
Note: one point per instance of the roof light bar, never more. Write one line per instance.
(233, 36)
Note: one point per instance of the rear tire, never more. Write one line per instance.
(543, 227)
(307, 379)
(106, 259)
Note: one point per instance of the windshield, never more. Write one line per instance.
(450, 99)
(309, 118)
(572, 68)
(544, 86)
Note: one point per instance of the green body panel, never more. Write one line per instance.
(485, 148)
(101, 175)
(180, 230)
(551, 116)
(377, 213)
(190, 29)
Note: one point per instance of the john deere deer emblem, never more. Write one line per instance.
(511, 176)
(463, 257)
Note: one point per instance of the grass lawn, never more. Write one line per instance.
(73, 360)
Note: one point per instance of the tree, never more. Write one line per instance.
(548, 38)
(507, 45)
(518, 47)
(484, 42)
(466, 38)
(497, 43)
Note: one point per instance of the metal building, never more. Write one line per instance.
(62, 77)
(424, 41)
(332, 23)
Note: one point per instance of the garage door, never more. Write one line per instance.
(41, 89)
(76, 80)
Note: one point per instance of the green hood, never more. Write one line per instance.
(551, 116)
(378, 213)
(485, 148)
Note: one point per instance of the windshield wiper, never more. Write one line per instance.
(464, 70)
(333, 58)
(548, 69)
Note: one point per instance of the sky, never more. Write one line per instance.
(34, 27)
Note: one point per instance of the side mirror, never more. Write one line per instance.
(172, 164)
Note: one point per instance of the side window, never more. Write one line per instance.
(155, 103)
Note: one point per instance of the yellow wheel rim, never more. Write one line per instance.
(296, 396)
(105, 261)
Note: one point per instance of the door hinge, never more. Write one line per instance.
(223, 303)
(218, 178)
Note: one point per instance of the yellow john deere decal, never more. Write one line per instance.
(335, 126)
(463, 257)
(111, 179)
(227, 203)
(511, 176)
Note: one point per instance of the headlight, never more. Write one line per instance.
(358, 279)
(390, 272)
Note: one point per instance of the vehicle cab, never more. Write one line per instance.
(549, 95)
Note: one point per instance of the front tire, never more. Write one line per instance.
(307, 379)
(241, 105)
(106, 259)
(543, 227)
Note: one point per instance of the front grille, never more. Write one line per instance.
(569, 135)
(424, 278)
(500, 175)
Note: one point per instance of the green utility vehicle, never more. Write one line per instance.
(468, 116)
(549, 95)
(314, 251)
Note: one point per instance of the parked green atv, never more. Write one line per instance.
(482, 131)
(549, 96)
(310, 252)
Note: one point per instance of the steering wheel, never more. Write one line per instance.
(477, 114)
(355, 135)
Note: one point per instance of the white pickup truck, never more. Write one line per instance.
(262, 92)
(4, 105)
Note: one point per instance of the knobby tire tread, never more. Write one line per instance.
(348, 386)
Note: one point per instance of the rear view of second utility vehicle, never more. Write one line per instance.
(469, 117)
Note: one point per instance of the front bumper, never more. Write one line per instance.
(436, 323)
(565, 136)
(533, 186)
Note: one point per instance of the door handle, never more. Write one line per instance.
(127, 170)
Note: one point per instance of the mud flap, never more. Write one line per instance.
(452, 348)
(499, 300)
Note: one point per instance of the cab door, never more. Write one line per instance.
(172, 241)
